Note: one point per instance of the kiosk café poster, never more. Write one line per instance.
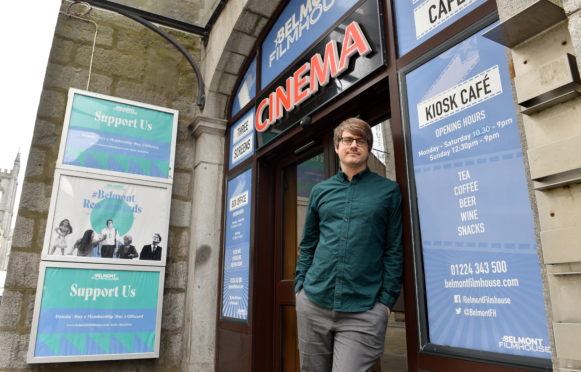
(96, 312)
(482, 275)
(107, 220)
(109, 134)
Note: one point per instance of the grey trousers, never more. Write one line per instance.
(338, 341)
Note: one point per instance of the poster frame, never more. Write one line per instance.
(66, 126)
(425, 346)
(30, 358)
(221, 316)
(165, 191)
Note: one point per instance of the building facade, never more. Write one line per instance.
(8, 186)
(473, 105)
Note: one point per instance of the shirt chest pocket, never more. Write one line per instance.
(369, 209)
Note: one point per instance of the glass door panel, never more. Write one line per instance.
(297, 181)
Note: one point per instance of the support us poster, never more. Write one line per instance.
(237, 247)
(90, 312)
(107, 220)
(112, 135)
(482, 275)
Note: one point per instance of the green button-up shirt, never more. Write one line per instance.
(351, 251)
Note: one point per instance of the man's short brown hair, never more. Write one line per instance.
(356, 126)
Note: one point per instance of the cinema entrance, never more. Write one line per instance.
(294, 172)
(439, 98)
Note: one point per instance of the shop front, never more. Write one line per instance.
(438, 95)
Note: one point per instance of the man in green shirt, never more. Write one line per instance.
(349, 271)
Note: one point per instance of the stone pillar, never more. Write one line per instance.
(553, 138)
(573, 11)
(203, 281)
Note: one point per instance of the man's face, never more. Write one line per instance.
(109, 224)
(126, 241)
(353, 155)
(155, 239)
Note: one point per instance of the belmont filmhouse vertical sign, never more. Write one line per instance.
(237, 247)
(483, 284)
(101, 284)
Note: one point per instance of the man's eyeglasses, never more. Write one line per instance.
(347, 141)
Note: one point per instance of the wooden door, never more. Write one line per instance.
(296, 177)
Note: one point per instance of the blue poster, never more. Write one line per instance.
(105, 133)
(241, 139)
(246, 90)
(87, 312)
(482, 275)
(298, 26)
(237, 247)
(418, 20)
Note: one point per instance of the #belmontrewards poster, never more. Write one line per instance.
(118, 136)
(237, 247)
(107, 220)
(482, 275)
(86, 312)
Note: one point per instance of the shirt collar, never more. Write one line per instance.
(343, 177)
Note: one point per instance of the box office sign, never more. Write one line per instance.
(107, 220)
(483, 281)
(96, 312)
(111, 135)
(345, 55)
(237, 247)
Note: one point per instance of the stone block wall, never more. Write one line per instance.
(127, 61)
(553, 136)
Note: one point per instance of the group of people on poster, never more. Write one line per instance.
(106, 244)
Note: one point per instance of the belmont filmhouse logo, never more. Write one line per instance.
(524, 343)
(310, 12)
(101, 276)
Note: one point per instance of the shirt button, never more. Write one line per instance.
(346, 219)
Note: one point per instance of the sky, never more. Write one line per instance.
(26, 33)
